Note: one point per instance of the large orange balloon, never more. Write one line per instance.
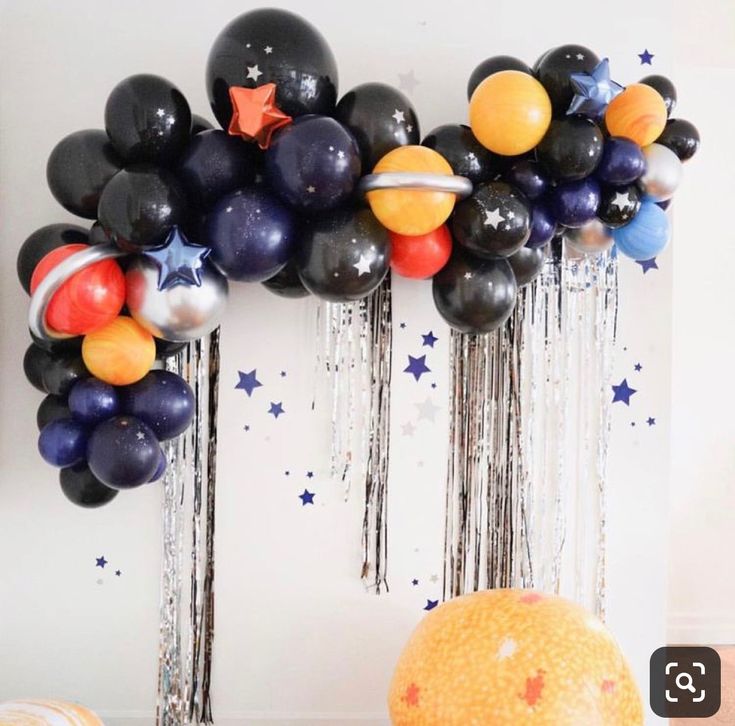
(121, 353)
(510, 112)
(638, 114)
(421, 256)
(88, 300)
(511, 657)
(409, 211)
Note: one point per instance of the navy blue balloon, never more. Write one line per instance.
(161, 468)
(528, 176)
(543, 225)
(252, 235)
(313, 164)
(575, 203)
(123, 452)
(92, 401)
(622, 162)
(63, 442)
(163, 400)
(646, 235)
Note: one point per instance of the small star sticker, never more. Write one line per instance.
(414, 582)
(467, 275)
(623, 392)
(309, 474)
(493, 218)
(340, 154)
(403, 326)
(276, 409)
(647, 265)
(407, 81)
(140, 436)
(651, 421)
(429, 339)
(638, 367)
(255, 115)
(311, 189)
(287, 473)
(283, 374)
(160, 113)
(101, 562)
(248, 382)
(399, 117)
(427, 409)
(178, 261)
(621, 200)
(646, 58)
(431, 604)
(254, 73)
(118, 573)
(408, 429)
(580, 56)
(307, 497)
(268, 49)
(246, 427)
(362, 266)
(417, 366)
(434, 578)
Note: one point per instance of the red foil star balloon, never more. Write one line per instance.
(255, 115)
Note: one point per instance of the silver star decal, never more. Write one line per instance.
(407, 81)
(580, 56)
(427, 410)
(140, 436)
(160, 113)
(362, 266)
(493, 218)
(254, 72)
(311, 189)
(340, 154)
(511, 215)
(467, 275)
(621, 200)
(268, 49)
(399, 116)
(408, 428)
(409, 128)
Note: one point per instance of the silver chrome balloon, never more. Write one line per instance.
(55, 279)
(179, 313)
(590, 239)
(416, 181)
(663, 172)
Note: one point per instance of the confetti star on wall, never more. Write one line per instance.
(118, 573)
(309, 474)
(403, 326)
(429, 339)
(248, 382)
(414, 582)
(307, 497)
(646, 58)
(101, 562)
(638, 367)
(647, 265)
(407, 81)
(427, 409)
(417, 366)
(431, 604)
(408, 429)
(623, 392)
(651, 421)
(276, 409)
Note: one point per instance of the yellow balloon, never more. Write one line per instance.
(638, 113)
(510, 112)
(121, 353)
(511, 657)
(408, 211)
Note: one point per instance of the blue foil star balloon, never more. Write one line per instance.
(593, 91)
(179, 262)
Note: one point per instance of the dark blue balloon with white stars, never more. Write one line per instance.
(252, 235)
(92, 401)
(313, 164)
(161, 399)
(575, 203)
(63, 442)
(161, 468)
(622, 162)
(528, 176)
(543, 225)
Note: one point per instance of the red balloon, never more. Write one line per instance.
(88, 300)
(421, 256)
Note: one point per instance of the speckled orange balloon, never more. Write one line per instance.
(121, 353)
(510, 112)
(512, 658)
(408, 211)
(638, 114)
(46, 713)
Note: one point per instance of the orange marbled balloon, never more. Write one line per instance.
(510, 111)
(46, 713)
(121, 353)
(408, 211)
(638, 114)
(512, 657)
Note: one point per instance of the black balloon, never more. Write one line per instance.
(63, 371)
(82, 487)
(147, 119)
(571, 148)
(58, 346)
(78, 169)
(51, 409)
(380, 118)
(167, 348)
(35, 362)
(97, 234)
(139, 206)
(41, 242)
(474, 295)
(494, 65)
(465, 154)
(528, 176)
(554, 70)
(286, 282)
(681, 137)
(665, 87)
(270, 45)
(199, 124)
(494, 222)
(618, 205)
(343, 255)
(527, 263)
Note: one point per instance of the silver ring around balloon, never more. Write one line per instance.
(56, 278)
(416, 181)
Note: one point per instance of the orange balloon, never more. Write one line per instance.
(409, 211)
(421, 256)
(121, 353)
(510, 657)
(510, 112)
(41, 713)
(638, 113)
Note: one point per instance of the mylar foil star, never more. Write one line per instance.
(593, 91)
(179, 262)
(255, 115)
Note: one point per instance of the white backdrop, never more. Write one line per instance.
(298, 639)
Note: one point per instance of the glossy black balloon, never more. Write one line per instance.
(344, 255)
(474, 295)
(681, 137)
(83, 488)
(270, 45)
(199, 124)
(493, 65)
(465, 154)
(528, 176)
(571, 149)
(287, 283)
(97, 235)
(59, 346)
(527, 263)
(494, 221)
(41, 242)
(665, 87)
(554, 70)
(147, 119)
(51, 409)
(167, 348)
(139, 206)
(214, 164)
(618, 205)
(63, 371)
(35, 362)
(79, 167)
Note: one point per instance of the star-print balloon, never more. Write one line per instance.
(593, 90)
(179, 262)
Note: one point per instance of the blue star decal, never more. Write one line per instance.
(431, 604)
(276, 409)
(309, 474)
(646, 58)
(248, 382)
(623, 392)
(651, 421)
(429, 339)
(417, 366)
(101, 562)
(593, 91)
(647, 265)
(638, 367)
(414, 582)
(307, 497)
(179, 262)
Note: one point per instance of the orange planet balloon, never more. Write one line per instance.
(46, 713)
(510, 112)
(511, 657)
(409, 211)
(638, 114)
(121, 353)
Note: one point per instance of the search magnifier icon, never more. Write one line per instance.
(685, 683)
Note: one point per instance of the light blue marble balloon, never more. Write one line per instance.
(646, 235)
